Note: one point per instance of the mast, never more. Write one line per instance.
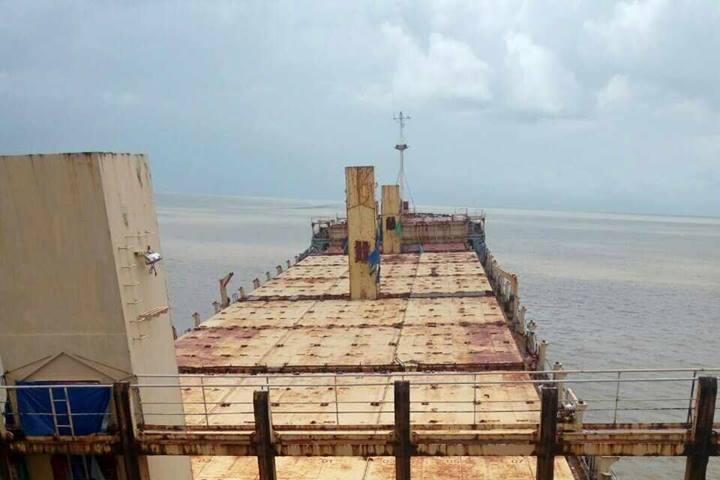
(401, 146)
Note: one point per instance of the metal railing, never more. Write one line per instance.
(476, 400)
(458, 414)
(448, 398)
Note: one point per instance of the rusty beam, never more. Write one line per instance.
(702, 429)
(623, 427)
(126, 424)
(548, 431)
(356, 440)
(353, 368)
(403, 445)
(97, 444)
(264, 435)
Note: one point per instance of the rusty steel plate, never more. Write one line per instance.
(375, 468)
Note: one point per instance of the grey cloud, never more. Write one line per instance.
(583, 104)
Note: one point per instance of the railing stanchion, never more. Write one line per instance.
(475, 389)
(403, 446)
(559, 377)
(702, 429)
(546, 446)
(264, 435)
(123, 411)
(617, 397)
(205, 409)
(337, 405)
(692, 394)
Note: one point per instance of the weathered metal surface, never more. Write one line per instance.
(427, 231)
(702, 429)
(391, 215)
(98, 444)
(402, 442)
(312, 271)
(126, 424)
(362, 231)
(436, 247)
(503, 441)
(436, 312)
(263, 437)
(326, 276)
(449, 257)
(451, 322)
(374, 468)
(547, 433)
(322, 400)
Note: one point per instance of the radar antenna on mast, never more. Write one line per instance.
(401, 146)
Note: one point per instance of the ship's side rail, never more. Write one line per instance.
(478, 400)
(277, 427)
(394, 415)
(606, 396)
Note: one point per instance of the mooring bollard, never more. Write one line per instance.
(542, 355)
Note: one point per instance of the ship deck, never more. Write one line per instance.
(375, 468)
(437, 312)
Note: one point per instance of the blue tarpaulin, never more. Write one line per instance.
(89, 407)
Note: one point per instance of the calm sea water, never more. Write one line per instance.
(608, 291)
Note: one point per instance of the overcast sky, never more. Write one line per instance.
(589, 105)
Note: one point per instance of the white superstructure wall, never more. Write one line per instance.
(77, 301)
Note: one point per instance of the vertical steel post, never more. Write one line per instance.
(514, 298)
(403, 446)
(124, 418)
(263, 435)
(702, 429)
(548, 430)
(692, 393)
(559, 376)
(204, 400)
(617, 397)
(475, 389)
(337, 405)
